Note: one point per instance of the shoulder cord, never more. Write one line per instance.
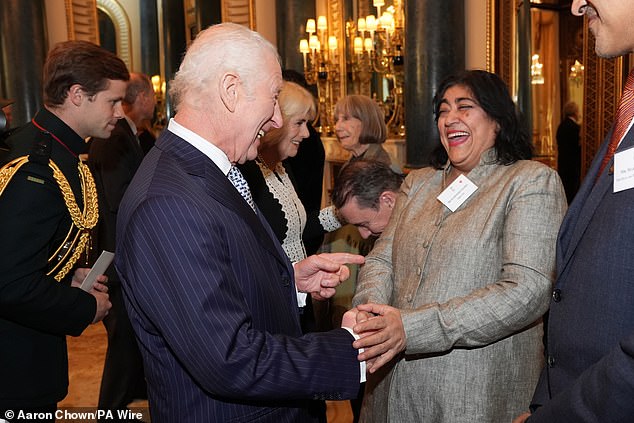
(82, 221)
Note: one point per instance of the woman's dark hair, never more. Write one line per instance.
(490, 92)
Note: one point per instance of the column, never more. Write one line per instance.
(524, 95)
(291, 27)
(435, 48)
(149, 37)
(23, 46)
(172, 31)
(208, 13)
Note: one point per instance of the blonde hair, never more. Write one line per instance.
(294, 100)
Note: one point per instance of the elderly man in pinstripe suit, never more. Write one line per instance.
(210, 293)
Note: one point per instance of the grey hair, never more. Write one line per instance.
(139, 83)
(221, 48)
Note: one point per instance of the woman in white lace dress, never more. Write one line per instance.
(272, 184)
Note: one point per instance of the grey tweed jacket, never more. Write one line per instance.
(472, 286)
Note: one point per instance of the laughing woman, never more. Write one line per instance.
(272, 184)
(463, 276)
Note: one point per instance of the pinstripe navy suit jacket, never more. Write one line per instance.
(212, 300)
(589, 374)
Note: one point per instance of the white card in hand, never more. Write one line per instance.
(98, 268)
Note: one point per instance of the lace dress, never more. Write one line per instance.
(274, 193)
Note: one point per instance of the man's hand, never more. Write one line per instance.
(321, 274)
(350, 318)
(382, 335)
(99, 291)
(81, 273)
(522, 418)
(103, 304)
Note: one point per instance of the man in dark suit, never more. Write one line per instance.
(114, 162)
(210, 293)
(589, 373)
(47, 209)
(569, 150)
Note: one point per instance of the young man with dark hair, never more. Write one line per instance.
(48, 205)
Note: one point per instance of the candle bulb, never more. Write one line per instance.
(310, 26)
(368, 44)
(304, 49)
(332, 42)
(322, 23)
(370, 24)
(358, 45)
(386, 20)
(313, 43)
(361, 25)
(156, 83)
(332, 46)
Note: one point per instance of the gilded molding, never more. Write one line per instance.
(239, 11)
(121, 22)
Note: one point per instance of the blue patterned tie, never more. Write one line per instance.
(241, 185)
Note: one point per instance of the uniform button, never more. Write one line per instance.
(418, 270)
(557, 295)
(551, 361)
(425, 244)
(286, 281)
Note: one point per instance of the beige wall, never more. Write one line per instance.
(55, 21)
(265, 22)
(475, 34)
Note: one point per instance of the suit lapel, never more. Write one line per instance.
(218, 186)
(134, 140)
(586, 202)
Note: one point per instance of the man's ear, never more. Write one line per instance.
(388, 198)
(76, 94)
(229, 90)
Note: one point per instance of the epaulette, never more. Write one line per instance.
(41, 150)
(83, 218)
(40, 154)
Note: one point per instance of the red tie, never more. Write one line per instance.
(624, 116)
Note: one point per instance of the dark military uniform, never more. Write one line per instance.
(36, 311)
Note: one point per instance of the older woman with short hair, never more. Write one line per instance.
(360, 128)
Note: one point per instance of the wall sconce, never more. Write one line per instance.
(576, 73)
(537, 77)
(321, 60)
(374, 46)
(158, 85)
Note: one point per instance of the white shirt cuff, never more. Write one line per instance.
(301, 298)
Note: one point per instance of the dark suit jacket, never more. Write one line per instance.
(211, 297)
(308, 169)
(589, 374)
(37, 312)
(113, 162)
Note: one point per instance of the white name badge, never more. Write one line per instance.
(457, 192)
(624, 170)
